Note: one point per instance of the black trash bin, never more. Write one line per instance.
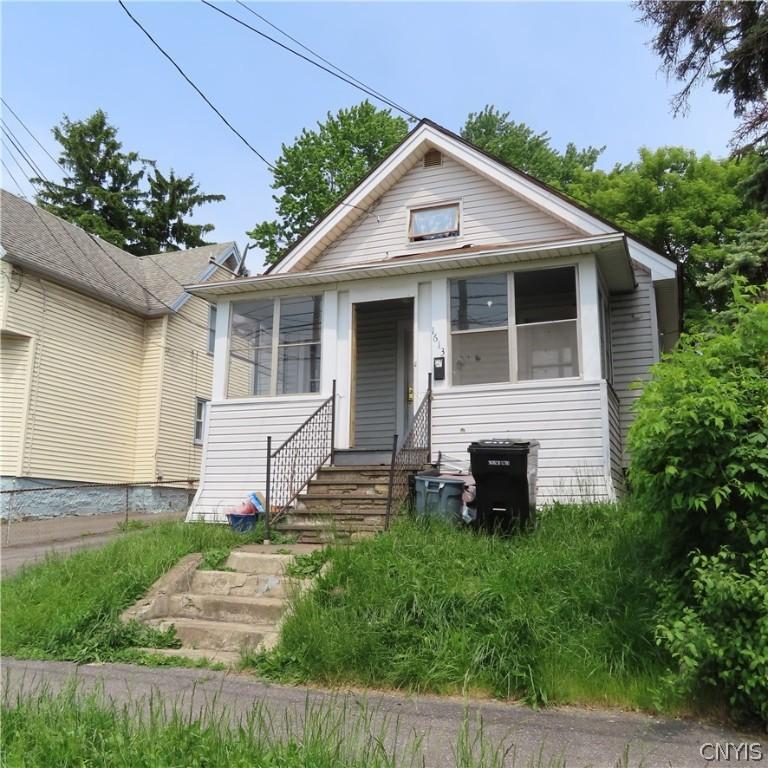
(504, 483)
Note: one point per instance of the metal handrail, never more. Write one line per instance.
(416, 449)
(297, 460)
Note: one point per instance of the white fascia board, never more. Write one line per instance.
(660, 267)
(494, 171)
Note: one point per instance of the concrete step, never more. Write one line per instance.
(262, 563)
(227, 608)
(332, 486)
(352, 504)
(327, 531)
(237, 583)
(228, 658)
(219, 635)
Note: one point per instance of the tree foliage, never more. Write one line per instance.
(118, 195)
(321, 166)
(688, 207)
(699, 448)
(727, 44)
(519, 145)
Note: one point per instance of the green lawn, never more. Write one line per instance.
(71, 730)
(565, 614)
(68, 607)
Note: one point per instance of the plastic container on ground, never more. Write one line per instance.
(439, 496)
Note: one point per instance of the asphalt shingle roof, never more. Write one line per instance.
(44, 243)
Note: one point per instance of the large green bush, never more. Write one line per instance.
(699, 449)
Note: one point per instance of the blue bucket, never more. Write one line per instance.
(242, 523)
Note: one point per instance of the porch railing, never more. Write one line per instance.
(414, 451)
(291, 466)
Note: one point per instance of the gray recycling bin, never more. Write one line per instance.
(439, 496)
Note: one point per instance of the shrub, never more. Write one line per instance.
(699, 443)
(699, 449)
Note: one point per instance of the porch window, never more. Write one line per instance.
(201, 414)
(211, 328)
(514, 327)
(547, 333)
(479, 329)
(434, 223)
(275, 347)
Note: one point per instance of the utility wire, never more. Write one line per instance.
(12, 138)
(368, 88)
(23, 125)
(199, 92)
(345, 78)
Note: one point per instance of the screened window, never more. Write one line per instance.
(515, 327)
(479, 329)
(201, 413)
(547, 333)
(211, 328)
(434, 223)
(605, 338)
(275, 347)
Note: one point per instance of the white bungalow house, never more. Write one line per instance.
(532, 315)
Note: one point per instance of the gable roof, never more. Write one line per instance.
(150, 285)
(429, 135)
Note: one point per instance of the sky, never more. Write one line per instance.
(583, 72)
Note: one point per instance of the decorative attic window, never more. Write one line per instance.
(433, 158)
(434, 223)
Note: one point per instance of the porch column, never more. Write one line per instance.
(439, 331)
(221, 351)
(343, 367)
(589, 320)
(423, 342)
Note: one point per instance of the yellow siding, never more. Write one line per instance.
(14, 375)
(150, 387)
(187, 375)
(81, 421)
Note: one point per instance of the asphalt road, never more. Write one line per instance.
(576, 737)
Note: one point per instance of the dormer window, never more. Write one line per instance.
(434, 223)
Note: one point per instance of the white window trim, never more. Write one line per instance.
(410, 209)
(206, 408)
(212, 313)
(512, 326)
(276, 345)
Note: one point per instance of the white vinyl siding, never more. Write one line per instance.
(634, 345)
(234, 463)
(567, 420)
(615, 442)
(489, 215)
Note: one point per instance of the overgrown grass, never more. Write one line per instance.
(564, 614)
(73, 729)
(68, 607)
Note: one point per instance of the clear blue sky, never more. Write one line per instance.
(581, 71)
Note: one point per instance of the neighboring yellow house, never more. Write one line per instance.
(105, 366)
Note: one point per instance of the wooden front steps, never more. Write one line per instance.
(341, 503)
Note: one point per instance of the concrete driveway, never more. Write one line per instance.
(28, 541)
(552, 737)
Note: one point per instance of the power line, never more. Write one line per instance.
(199, 92)
(347, 79)
(23, 125)
(11, 136)
(368, 88)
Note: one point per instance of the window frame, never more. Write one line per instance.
(276, 345)
(512, 327)
(212, 314)
(206, 403)
(429, 207)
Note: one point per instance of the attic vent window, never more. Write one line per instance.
(433, 158)
(434, 223)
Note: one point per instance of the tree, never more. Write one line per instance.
(687, 207)
(519, 145)
(726, 43)
(321, 166)
(110, 193)
(101, 190)
(169, 200)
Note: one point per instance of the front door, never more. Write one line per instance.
(382, 373)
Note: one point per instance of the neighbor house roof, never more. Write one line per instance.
(150, 285)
